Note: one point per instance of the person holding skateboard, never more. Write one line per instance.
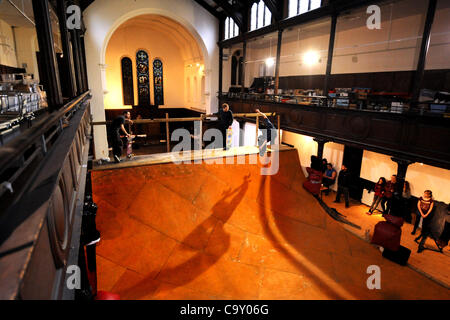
(118, 127)
(269, 133)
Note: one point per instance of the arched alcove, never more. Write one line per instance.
(102, 19)
(160, 37)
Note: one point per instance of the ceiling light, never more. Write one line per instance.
(270, 62)
(310, 57)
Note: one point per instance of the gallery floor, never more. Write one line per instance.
(224, 231)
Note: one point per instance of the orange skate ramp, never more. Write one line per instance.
(223, 231)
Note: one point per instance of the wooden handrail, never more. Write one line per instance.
(201, 118)
(17, 147)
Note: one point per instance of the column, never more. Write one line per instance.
(277, 66)
(330, 53)
(320, 144)
(220, 70)
(77, 62)
(67, 74)
(397, 208)
(418, 76)
(244, 53)
(402, 167)
(47, 54)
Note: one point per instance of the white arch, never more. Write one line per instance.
(160, 12)
(104, 17)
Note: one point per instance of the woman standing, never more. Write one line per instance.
(379, 192)
(389, 189)
(425, 207)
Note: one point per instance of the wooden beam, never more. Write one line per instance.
(330, 54)
(210, 9)
(418, 76)
(230, 11)
(277, 66)
(273, 7)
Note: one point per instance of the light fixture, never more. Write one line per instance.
(198, 64)
(270, 62)
(310, 57)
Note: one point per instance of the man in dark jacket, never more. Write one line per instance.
(118, 127)
(225, 121)
(343, 184)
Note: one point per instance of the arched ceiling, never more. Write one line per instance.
(151, 23)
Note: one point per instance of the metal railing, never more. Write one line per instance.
(202, 118)
(12, 155)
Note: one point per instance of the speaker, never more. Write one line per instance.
(400, 256)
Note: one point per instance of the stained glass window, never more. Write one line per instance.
(127, 81)
(143, 78)
(158, 82)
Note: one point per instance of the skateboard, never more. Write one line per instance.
(130, 141)
(262, 146)
(229, 138)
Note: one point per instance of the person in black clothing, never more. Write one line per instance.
(343, 184)
(225, 116)
(324, 165)
(269, 133)
(425, 207)
(118, 127)
(316, 164)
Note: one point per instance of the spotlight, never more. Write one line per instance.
(310, 57)
(270, 62)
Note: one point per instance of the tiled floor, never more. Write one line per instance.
(431, 263)
(224, 231)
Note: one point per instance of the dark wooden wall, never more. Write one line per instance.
(406, 136)
(396, 81)
(9, 70)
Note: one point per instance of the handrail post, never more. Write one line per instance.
(200, 134)
(167, 133)
(279, 130)
(257, 128)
